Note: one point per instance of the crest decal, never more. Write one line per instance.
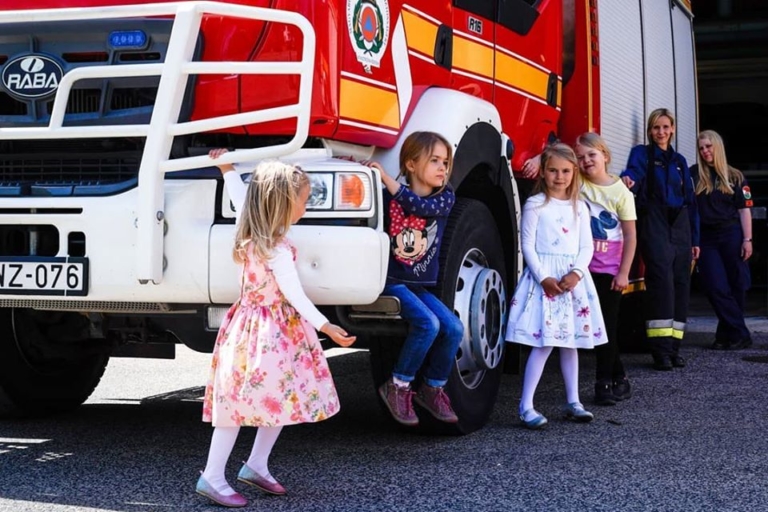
(368, 27)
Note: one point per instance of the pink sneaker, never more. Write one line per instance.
(437, 403)
(399, 401)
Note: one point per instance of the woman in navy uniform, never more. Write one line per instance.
(724, 200)
(667, 235)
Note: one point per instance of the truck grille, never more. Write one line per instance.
(60, 163)
(80, 166)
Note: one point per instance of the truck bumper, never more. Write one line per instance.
(337, 264)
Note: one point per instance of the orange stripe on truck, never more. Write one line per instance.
(419, 33)
(369, 104)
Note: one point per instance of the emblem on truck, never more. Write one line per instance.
(368, 25)
(32, 76)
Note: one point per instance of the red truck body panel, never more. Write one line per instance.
(374, 59)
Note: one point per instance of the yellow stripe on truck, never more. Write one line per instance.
(473, 57)
(480, 59)
(369, 104)
(420, 34)
(521, 75)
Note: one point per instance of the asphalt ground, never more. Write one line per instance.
(691, 439)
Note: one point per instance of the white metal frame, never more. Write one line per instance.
(164, 123)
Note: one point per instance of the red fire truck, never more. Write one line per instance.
(115, 230)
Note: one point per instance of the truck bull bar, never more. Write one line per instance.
(164, 124)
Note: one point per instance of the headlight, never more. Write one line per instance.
(352, 191)
(320, 186)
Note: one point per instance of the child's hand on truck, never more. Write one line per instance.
(216, 153)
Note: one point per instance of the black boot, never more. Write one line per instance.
(604, 393)
(622, 390)
(662, 363)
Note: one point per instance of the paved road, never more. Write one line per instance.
(690, 440)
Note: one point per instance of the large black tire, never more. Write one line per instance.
(471, 244)
(43, 369)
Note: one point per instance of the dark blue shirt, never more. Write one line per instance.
(415, 226)
(672, 180)
(717, 209)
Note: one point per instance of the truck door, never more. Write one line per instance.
(473, 61)
(528, 72)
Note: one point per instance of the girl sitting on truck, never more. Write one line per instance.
(415, 218)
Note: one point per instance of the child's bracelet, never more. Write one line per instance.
(578, 272)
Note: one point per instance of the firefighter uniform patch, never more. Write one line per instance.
(747, 196)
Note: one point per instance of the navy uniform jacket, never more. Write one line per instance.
(674, 186)
(719, 210)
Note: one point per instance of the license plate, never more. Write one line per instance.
(44, 276)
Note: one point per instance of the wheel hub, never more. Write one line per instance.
(481, 304)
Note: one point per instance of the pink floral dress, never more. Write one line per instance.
(268, 367)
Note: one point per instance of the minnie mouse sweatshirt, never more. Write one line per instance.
(415, 227)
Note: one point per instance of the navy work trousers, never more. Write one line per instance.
(664, 238)
(725, 279)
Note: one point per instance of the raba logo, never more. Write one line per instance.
(32, 76)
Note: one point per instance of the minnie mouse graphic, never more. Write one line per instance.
(410, 236)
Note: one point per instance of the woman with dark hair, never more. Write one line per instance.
(724, 201)
(668, 235)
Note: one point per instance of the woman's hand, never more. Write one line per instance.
(569, 281)
(620, 282)
(551, 287)
(746, 250)
(216, 153)
(629, 182)
(338, 335)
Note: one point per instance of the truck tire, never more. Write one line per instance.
(43, 369)
(472, 278)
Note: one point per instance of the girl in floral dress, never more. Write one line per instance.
(555, 303)
(268, 367)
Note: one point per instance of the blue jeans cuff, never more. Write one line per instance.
(404, 378)
(435, 383)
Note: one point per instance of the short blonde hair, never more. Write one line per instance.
(274, 189)
(654, 116)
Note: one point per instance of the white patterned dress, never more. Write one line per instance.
(555, 240)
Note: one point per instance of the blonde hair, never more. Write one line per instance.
(595, 141)
(728, 176)
(654, 116)
(565, 152)
(420, 145)
(267, 213)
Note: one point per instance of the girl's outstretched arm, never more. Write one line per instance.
(237, 191)
(232, 180)
(284, 269)
(433, 206)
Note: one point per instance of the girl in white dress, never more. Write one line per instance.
(555, 303)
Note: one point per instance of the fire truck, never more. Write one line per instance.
(116, 230)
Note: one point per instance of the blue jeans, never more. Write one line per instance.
(430, 325)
